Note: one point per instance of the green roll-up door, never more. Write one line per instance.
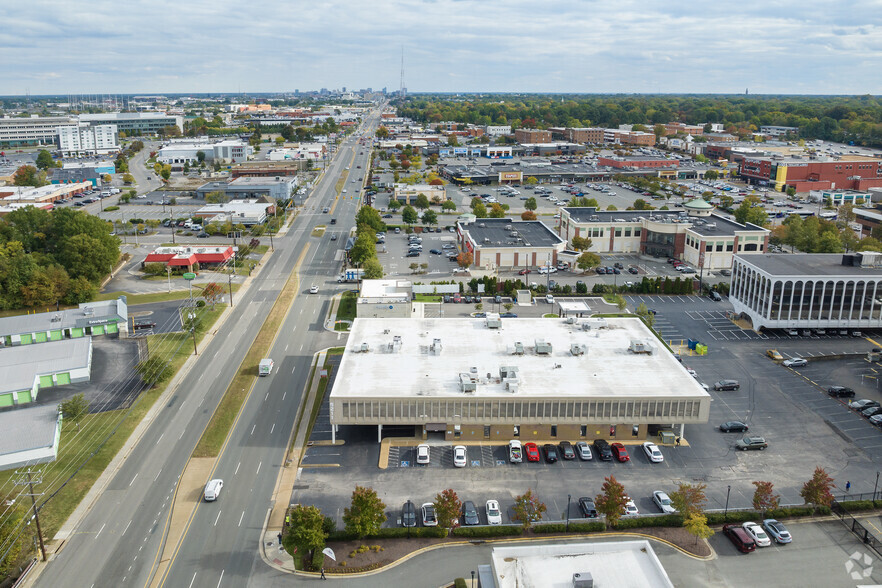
(111, 328)
(63, 378)
(25, 396)
(26, 339)
(40, 338)
(55, 335)
(45, 382)
(5, 400)
(76, 332)
(98, 330)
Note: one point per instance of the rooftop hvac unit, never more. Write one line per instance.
(88, 311)
(435, 348)
(641, 346)
(395, 346)
(518, 348)
(363, 348)
(507, 227)
(511, 386)
(543, 347)
(514, 233)
(467, 383)
(570, 320)
(494, 322)
(583, 580)
(577, 349)
(56, 318)
(508, 372)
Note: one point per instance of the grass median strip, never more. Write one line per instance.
(132, 299)
(225, 414)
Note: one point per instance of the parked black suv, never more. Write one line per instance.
(408, 514)
(603, 449)
(727, 385)
(840, 392)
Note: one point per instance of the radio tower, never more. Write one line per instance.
(402, 91)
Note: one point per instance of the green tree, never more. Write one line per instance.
(689, 498)
(696, 524)
(373, 269)
(447, 508)
(27, 175)
(479, 209)
(643, 312)
(641, 204)
(394, 205)
(422, 201)
(154, 370)
(409, 215)
(128, 179)
(365, 514)
(496, 211)
(612, 500)
(306, 529)
(216, 197)
(528, 509)
(711, 175)
(165, 172)
(370, 217)
(587, 260)
(75, 407)
(364, 247)
(45, 160)
(530, 204)
(581, 243)
(200, 156)
(430, 217)
(764, 497)
(448, 205)
(818, 491)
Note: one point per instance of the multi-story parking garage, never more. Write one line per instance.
(809, 290)
(499, 379)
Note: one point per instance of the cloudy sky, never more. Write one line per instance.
(772, 46)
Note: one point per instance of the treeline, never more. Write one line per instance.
(835, 118)
(48, 257)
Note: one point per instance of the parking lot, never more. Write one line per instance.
(790, 408)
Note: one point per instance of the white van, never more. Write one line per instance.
(213, 490)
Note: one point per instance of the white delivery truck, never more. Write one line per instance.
(266, 367)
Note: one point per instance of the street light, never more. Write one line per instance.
(473, 578)
(569, 497)
(876, 485)
(726, 514)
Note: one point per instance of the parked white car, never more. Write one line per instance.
(494, 515)
(459, 456)
(755, 531)
(653, 452)
(422, 454)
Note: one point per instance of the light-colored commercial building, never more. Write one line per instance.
(135, 123)
(29, 436)
(85, 139)
(249, 187)
(840, 197)
(313, 151)
(497, 130)
(238, 212)
(407, 194)
(809, 290)
(24, 371)
(227, 151)
(695, 235)
(106, 317)
(499, 243)
(43, 194)
(384, 299)
(21, 132)
(498, 379)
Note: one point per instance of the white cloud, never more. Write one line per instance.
(58, 46)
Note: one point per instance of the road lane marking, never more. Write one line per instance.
(157, 474)
(285, 394)
(133, 481)
(220, 579)
(193, 580)
(252, 428)
(237, 468)
(240, 519)
(258, 468)
(160, 438)
(126, 529)
(293, 368)
(218, 517)
(182, 434)
(99, 530)
(273, 428)
(266, 397)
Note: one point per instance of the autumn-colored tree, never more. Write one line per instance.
(764, 497)
(366, 513)
(696, 524)
(528, 509)
(689, 498)
(528, 215)
(612, 500)
(496, 211)
(211, 293)
(818, 491)
(581, 243)
(447, 507)
(464, 259)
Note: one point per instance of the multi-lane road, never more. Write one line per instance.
(122, 538)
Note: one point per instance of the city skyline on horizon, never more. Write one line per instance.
(576, 47)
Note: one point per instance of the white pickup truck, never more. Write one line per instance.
(515, 454)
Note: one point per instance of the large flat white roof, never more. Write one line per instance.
(624, 564)
(607, 369)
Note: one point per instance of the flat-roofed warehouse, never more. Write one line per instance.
(498, 379)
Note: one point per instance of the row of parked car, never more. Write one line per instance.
(748, 536)
(869, 409)
(469, 515)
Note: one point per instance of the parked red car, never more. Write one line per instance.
(532, 451)
(620, 452)
(523, 272)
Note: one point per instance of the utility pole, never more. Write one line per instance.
(30, 484)
(230, 281)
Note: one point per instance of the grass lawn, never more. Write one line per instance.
(318, 231)
(346, 310)
(132, 299)
(101, 436)
(428, 298)
(222, 420)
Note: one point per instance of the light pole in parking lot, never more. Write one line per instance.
(875, 486)
(569, 497)
(726, 513)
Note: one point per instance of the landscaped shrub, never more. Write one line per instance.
(671, 520)
(579, 527)
(460, 583)
(855, 505)
(734, 516)
(495, 531)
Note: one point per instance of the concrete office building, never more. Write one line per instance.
(22, 132)
(107, 317)
(407, 193)
(29, 436)
(870, 221)
(228, 151)
(696, 235)
(384, 299)
(85, 139)
(248, 187)
(23, 372)
(839, 197)
(532, 136)
(499, 243)
(497, 379)
(497, 130)
(135, 123)
(812, 290)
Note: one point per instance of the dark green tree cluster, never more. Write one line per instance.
(658, 285)
(836, 118)
(364, 251)
(817, 235)
(48, 257)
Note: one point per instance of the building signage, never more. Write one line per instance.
(444, 152)
(460, 151)
(508, 176)
(99, 321)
